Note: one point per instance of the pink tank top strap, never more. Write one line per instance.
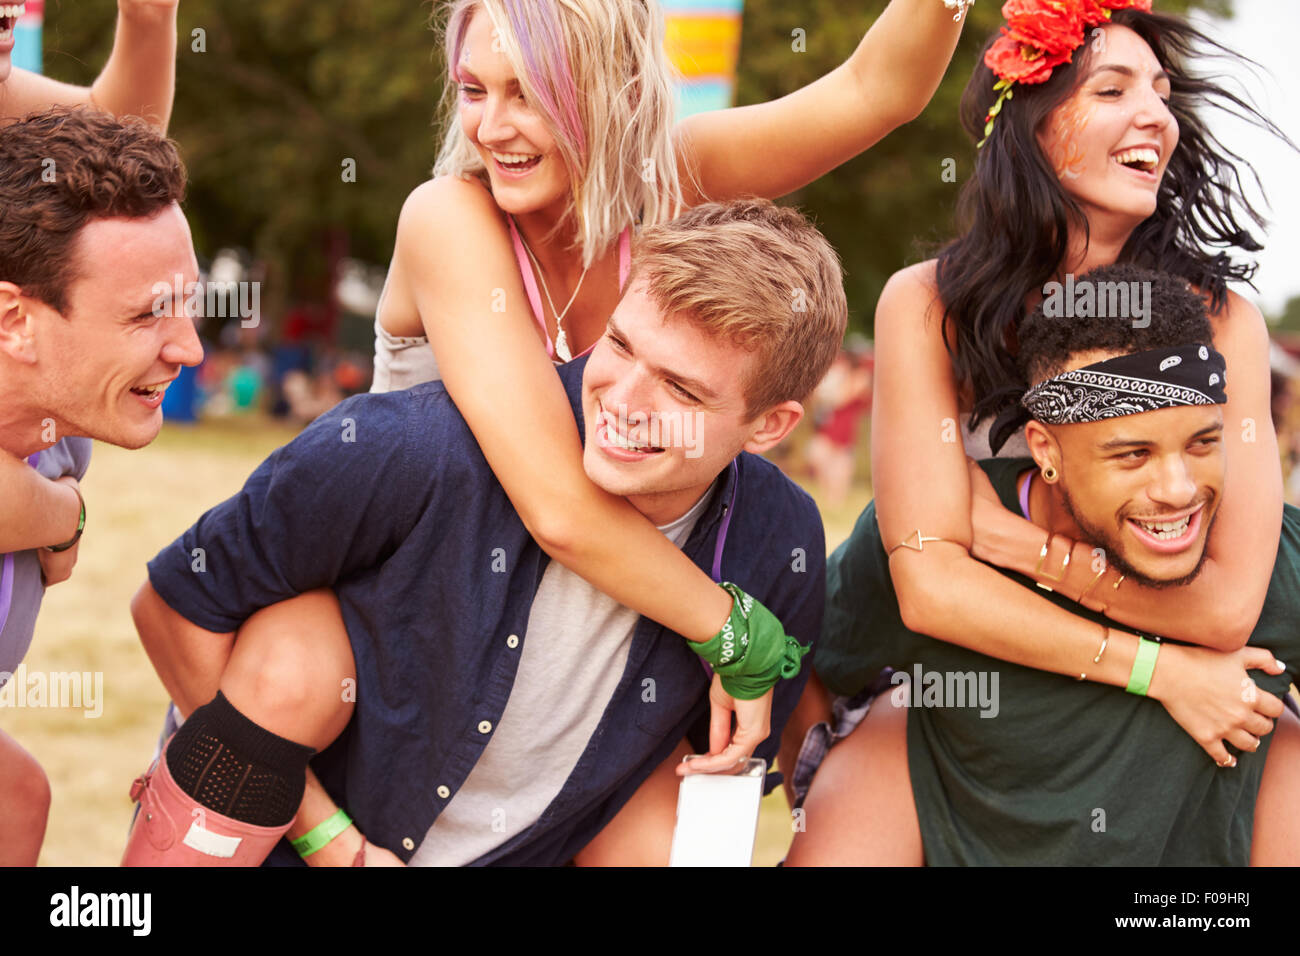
(530, 284)
(624, 257)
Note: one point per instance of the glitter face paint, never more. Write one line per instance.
(1068, 124)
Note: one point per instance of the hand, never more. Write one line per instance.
(753, 725)
(1212, 697)
(378, 856)
(56, 566)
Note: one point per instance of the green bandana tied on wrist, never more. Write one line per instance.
(751, 652)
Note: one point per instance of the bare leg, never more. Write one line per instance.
(641, 834)
(1276, 838)
(24, 804)
(814, 707)
(291, 674)
(860, 810)
(291, 670)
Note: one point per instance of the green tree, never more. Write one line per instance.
(1289, 319)
(277, 104)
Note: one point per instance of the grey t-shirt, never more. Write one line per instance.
(71, 456)
(572, 658)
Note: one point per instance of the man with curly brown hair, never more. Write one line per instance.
(90, 226)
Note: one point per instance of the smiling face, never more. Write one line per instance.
(101, 361)
(1110, 142)
(525, 166)
(1144, 487)
(665, 409)
(9, 14)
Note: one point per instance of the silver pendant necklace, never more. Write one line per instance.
(561, 340)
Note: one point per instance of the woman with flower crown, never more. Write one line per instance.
(1090, 152)
(559, 143)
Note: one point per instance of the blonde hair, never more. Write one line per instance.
(761, 276)
(598, 74)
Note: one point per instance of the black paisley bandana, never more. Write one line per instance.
(1130, 385)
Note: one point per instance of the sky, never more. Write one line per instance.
(1266, 31)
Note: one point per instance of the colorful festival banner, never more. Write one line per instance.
(27, 37)
(703, 42)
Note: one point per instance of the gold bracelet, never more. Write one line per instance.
(1105, 639)
(1042, 557)
(920, 542)
(1084, 593)
(1114, 587)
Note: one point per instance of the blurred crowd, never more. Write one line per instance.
(294, 366)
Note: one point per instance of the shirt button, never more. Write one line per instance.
(408, 843)
(484, 726)
(444, 792)
(512, 641)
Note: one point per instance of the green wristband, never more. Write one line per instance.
(81, 526)
(319, 835)
(751, 652)
(1144, 665)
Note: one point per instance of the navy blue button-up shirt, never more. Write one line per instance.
(388, 500)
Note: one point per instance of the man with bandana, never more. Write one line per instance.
(1126, 437)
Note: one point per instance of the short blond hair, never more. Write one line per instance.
(761, 276)
(598, 73)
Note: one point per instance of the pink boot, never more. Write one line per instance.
(174, 829)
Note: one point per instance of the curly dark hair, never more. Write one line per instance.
(1015, 217)
(1178, 317)
(64, 168)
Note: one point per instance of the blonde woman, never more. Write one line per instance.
(554, 151)
(560, 141)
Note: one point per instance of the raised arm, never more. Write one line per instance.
(138, 80)
(887, 82)
(450, 240)
(1221, 607)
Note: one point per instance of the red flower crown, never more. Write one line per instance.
(1039, 36)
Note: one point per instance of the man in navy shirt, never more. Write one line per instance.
(505, 711)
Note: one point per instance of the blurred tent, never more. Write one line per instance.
(703, 42)
(27, 37)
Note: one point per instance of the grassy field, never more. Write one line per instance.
(137, 503)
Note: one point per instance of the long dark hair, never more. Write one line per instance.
(1014, 215)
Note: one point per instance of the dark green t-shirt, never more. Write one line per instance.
(1057, 771)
